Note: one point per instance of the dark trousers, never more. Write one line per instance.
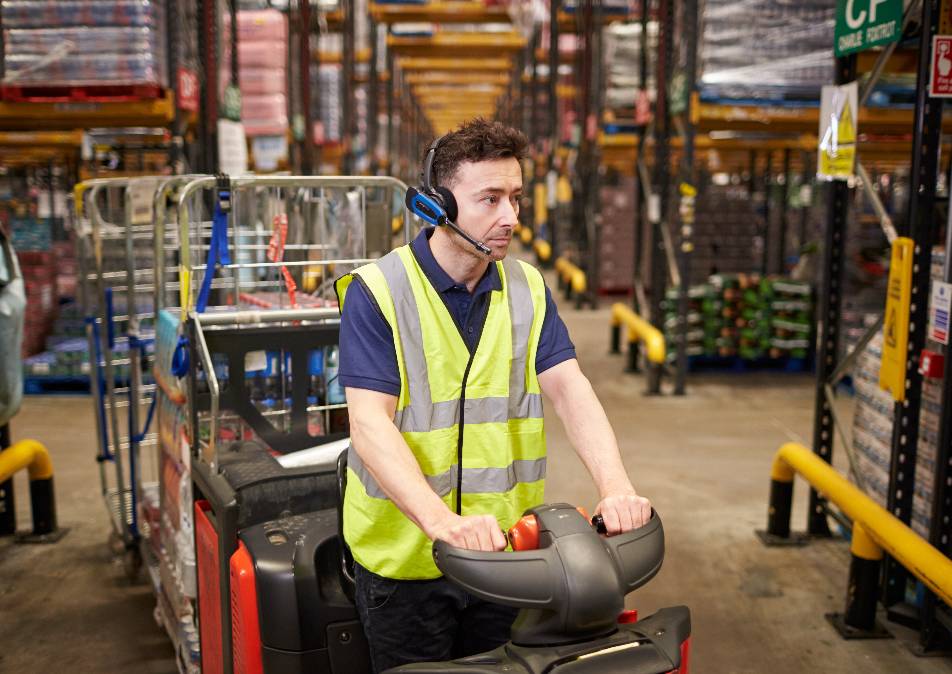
(410, 621)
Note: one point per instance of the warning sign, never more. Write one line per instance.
(940, 82)
(939, 309)
(892, 370)
(837, 148)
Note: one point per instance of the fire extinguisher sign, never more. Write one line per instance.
(940, 85)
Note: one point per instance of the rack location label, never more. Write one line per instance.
(939, 309)
(861, 24)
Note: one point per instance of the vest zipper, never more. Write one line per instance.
(459, 442)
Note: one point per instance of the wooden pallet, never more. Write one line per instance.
(87, 93)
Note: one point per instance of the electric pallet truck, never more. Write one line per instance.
(275, 583)
(291, 599)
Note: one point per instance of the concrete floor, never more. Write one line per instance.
(703, 459)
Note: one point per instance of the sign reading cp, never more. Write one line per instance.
(861, 24)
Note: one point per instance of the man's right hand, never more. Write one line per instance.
(472, 532)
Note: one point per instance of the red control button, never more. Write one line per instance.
(628, 617)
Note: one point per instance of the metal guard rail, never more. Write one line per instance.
(543, 250)
(638, 330)
(34, 456)
(571, 278)
(874, 530)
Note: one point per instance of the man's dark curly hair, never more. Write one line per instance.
(474, 141)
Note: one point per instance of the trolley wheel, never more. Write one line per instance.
(132, 563)
(116, 545)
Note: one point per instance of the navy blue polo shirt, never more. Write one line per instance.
(368, 359)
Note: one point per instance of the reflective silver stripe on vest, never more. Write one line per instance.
(423, 415)
(475, 480)
(522, 405)
(419, 415)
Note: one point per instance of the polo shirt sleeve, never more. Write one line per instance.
(368, 358)
(555, 346)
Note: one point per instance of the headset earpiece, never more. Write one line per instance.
(448, 201)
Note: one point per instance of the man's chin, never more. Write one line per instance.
(499, 250)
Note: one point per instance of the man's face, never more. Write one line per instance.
(488, 194)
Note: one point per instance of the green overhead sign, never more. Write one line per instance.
(861, 24)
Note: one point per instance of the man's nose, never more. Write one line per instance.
(510, 216)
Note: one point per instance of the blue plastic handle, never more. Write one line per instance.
(110, 325)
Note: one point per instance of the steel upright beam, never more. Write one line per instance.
(784, 212)
(553, 125)
(662, 174)
(208, 64)
(829, 337)
(348, 121)
(391, 112)
(304, 66)
(641, 195)
(688, 37)
(373, 93)
(927, 131)
(768, 181)
(806, 179)
(173, 43)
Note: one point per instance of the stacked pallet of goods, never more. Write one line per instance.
(263, 80)
(86, 49)
(743, 318)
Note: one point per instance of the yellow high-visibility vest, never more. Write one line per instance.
(472, 420)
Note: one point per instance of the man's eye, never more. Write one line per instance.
(492, 199)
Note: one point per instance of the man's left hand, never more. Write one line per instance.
(624, 512)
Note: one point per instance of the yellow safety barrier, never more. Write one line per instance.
(542, 250)
(33, 456)
(639, 330)
(26, 454)
(874, 530)
(525, 235)
(571, 278)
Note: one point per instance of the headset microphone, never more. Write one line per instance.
(432, 212)
(437, 205)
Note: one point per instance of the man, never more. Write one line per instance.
(445, 352)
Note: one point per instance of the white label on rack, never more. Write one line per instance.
(232, 148)
(939, 310)
(654, 208)
(41, 368)
(268, 151)
(256, 360)
(141, 191)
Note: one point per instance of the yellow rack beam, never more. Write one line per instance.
(32, 116)
(439, 12)
(440, 63)
(417, 78)
(445, 91)
(463, 45)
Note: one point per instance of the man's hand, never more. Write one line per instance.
(623, 512)
(472, 532)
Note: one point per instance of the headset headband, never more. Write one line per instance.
(427, 175)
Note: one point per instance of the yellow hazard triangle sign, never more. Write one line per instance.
(836, 154)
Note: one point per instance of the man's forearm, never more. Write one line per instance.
(390, 461)
(593, 438)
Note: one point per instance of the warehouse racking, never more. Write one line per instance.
(905, 604)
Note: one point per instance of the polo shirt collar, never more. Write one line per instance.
(438, 277)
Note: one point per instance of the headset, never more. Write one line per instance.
(437, 205)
